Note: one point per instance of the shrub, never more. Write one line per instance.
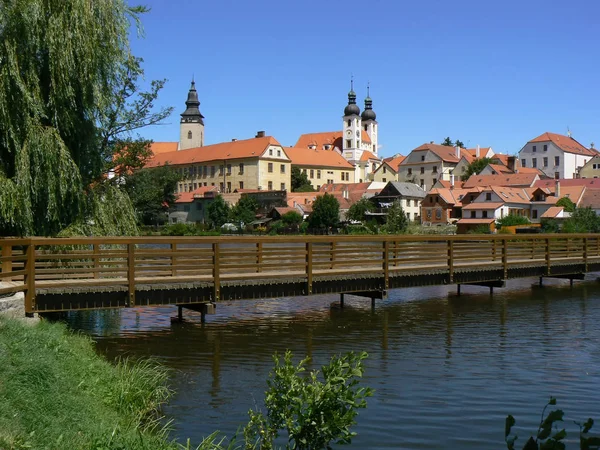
(511, 220)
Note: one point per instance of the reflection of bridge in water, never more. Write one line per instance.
(197, 272)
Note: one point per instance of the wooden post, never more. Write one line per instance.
(309, 267)
(259, 256)
(450, 261)
(331, 254)
(494, 250)
(386, 264)
(131, 273)
(96, 260)
(29, 279)
(505, 257)
(547, 256)
(173, 259)
(7, 263)
(216, 272)
(585, 253)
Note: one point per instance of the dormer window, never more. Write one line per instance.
(327, 147)
(189, 134)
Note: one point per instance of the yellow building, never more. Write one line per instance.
(260, 163)
(321, 166)
(591, 169)
(388, 171)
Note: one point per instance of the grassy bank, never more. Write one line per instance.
(56, 392)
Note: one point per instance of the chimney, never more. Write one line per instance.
(431, 142)
(451, 181)
(457, 149)
(260, 134)
(512, 163)
(557, 189)
(477, 152)
(233, 140)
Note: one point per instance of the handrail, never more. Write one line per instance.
(30, 264)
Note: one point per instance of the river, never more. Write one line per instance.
(446, 369)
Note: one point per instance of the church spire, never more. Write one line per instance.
(192, 112)
(368, 113)
(352, 109)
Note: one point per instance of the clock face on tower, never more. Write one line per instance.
(357, 133)
(349, 132)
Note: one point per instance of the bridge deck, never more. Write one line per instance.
(87, 273)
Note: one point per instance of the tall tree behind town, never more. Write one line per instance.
(69, 102)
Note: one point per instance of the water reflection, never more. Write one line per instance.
(443, 366)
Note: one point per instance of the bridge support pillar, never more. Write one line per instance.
(341, 300)
(541, 281)
(373, 303)
(458, 289)
(180, 313)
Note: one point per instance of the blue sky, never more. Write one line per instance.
(487, 72)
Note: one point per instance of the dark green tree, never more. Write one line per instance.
(300, 181)
(459, 144)
(218, 212)
(292, 219)
(69, 101)
(567, 204)
(396, 222)
(325, 213)
(476, 167)
(244, 210)
(359, 209)
(582, 220)
(448, 142)
(152, 192)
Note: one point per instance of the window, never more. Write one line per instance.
(545, 149)
(349, 122)
(533, 149)
(409, 172)
(195, 186)
(228, 169)
(229, 186)
(434, 169)
(357, 143)
(312, 173)
(221, 169)
(189, 134)
(205, 171)
(278, 152)
(523, 162)
(438, 214)
(484, 214)
(473, 216)
(534, 162)
(282, 168)
(488, 196)
(270, 167)
(318, 174)
(366, 127)
(384, 180)
(270, 185)
(270, 152)
(241, 185)
(283, 186)
(422, 183)
(384, 169)
(534, 213)
(221, 187)
(408, 203)
(348, 143)
(557, 160)
(213, 170)
(545, 161)
(422, 169)
(241, 168)
(556, 175)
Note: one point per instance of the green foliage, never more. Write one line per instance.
(448, 142)
(300, 181)
(218, 212)
(567, 204)
(276, 228)
(303, 227)
(582, 220)
(69, 101)
(511, 220)
(311, 412)
(358, 210)
(244, 211)
(292, 219)
(326, 212)
(152, 193)
(188, 229)
(549, 225)
(476, 167)
(480, 229)
(396, 222)
(548, 436)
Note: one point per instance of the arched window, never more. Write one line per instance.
(189, 134)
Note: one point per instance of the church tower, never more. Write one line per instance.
(352, 126)
(369, 121)
(191, 133)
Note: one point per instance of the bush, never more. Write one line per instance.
(511, 220)
(549, 225)
(583, 220)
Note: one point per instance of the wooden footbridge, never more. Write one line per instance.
(196, 272)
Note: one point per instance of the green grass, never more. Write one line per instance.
(56, 392)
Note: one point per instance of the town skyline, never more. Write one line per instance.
(493, 79)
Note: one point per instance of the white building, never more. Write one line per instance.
(556, 155)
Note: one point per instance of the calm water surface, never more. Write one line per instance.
(446, 370)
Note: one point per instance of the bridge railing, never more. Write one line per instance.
(33, 264)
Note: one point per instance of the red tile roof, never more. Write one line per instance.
(552, 212)
(164, 147)
(565, 143)
(393, 162)
(333, 138)
(476, 221)
(448, 184)
(516, 179)
(187, 197)
(247, 148)
(318, 158)
(367, 155)
(499, 168)
(590, 198)
(590, 183)
(482, 151)
(365, 137)
(446, 153)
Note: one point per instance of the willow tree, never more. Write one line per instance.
(69, 103)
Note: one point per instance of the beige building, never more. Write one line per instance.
(321, 166)
(388, 170)
(260, 163)
(591, 169)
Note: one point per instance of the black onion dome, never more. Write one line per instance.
(192, 106)
(368, 113)
(352, 108)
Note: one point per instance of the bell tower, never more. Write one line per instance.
(191, 128)
(352, 123)
(369, 121)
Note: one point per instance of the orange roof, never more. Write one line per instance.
(565, 143)
(501, 158)
(591, 198)
(475, 221)
(530, 170)
(516, 179)
(247, 148)
(164, 147)
(552, 212)
(512, 194)
(448, 184)
(445, 152)
(301, 198)
(483, 205)
(365, 137)
(499, 168)
(393, 162)
(482, 151)
(333, 138)
(590, 183)
(187, 197)
(339, 187)
(318, 158)
(367, 155)
(451, 196)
